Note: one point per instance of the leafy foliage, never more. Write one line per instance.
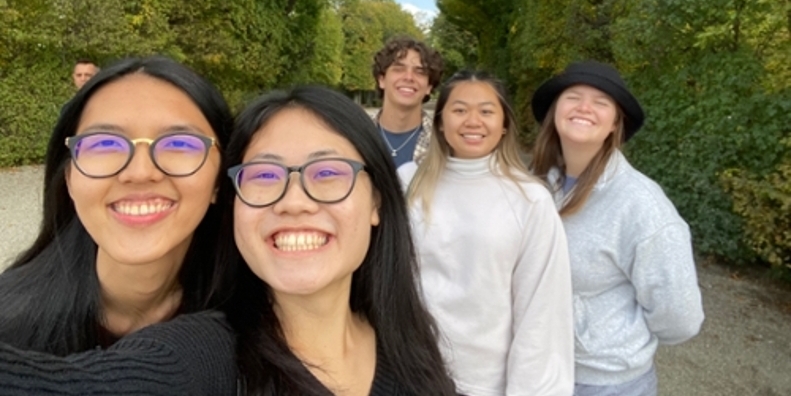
(243, 46)
(765, 204)
(713, 77)
(458, 47)
(490, 22)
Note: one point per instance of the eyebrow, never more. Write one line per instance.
(275, 157)
(401, 62)
(171, 129)
(595, 95)
(459, 101)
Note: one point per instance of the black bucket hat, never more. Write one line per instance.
(598, 75)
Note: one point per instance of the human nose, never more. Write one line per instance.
(472, 119)
(584, 105)
(141, 167)
(295, 200)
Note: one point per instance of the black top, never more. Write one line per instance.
(192, 354)
(385, 383)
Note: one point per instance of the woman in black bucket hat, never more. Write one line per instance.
(633, 272)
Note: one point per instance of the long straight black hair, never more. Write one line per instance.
(51, 294)
(384, 288)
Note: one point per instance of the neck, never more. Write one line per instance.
(400, 120)
(135, 296)
(577, 158)
(337, 345)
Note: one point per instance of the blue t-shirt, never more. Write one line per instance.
(568, 184)
(402, 143)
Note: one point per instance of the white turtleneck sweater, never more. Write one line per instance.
(495, 275)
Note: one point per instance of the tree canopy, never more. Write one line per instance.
(712, 75)
(244, 46)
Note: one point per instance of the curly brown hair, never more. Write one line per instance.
(396, 48)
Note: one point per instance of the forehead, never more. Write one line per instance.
(409, 57)
(295, 135)
(84, 67)
(139, 104)
(583, 89)
(474, 92)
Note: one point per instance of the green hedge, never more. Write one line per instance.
(30, 101)
(708, 117)
(765, 204)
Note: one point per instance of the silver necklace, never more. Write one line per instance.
(394, 151)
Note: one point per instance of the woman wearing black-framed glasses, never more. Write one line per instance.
(325, 299)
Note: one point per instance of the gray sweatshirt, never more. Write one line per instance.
(633, 275)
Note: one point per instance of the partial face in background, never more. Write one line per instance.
(585, 116)
(82, 73)
(473, 120)
(405, 82)
(297, 245)
(140, 215)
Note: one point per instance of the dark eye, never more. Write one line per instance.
(102, 143)
(265, 175)
(262, 174)
(106, 143)
(180, 143)
(325, 173)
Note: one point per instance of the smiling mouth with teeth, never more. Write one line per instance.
(581, 121)
(299, 241)
(130, 208)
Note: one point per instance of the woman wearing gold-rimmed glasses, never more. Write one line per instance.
(128, 241)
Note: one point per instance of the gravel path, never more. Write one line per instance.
(20, 209)
(744, 348)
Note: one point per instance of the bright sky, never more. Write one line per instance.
(427, 6)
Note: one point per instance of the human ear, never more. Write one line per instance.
(375, 209)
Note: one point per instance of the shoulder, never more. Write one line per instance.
(642, 190)
(428, 122)
(201, 344)
(197, 338)
(639, 201)
(188, 331)
(527, 186)
(406, 172)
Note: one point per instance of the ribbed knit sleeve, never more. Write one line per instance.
(189, 355)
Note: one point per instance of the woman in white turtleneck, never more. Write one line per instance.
(492, 251)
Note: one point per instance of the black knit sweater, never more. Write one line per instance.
(192, 354)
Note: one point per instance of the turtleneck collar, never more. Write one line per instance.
(470, 167)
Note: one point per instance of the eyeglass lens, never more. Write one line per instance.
(105, 154)
(324, 181)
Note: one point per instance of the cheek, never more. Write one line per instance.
(241, 219)
(557, 116)
(244, 230)
(83, 190)
(612, 116)
(450, 122)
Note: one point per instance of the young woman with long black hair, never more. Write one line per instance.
(128, 240)
(327, 302)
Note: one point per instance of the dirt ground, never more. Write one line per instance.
(744, 347)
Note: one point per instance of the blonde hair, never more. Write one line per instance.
(548, 154)
(506, 161)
